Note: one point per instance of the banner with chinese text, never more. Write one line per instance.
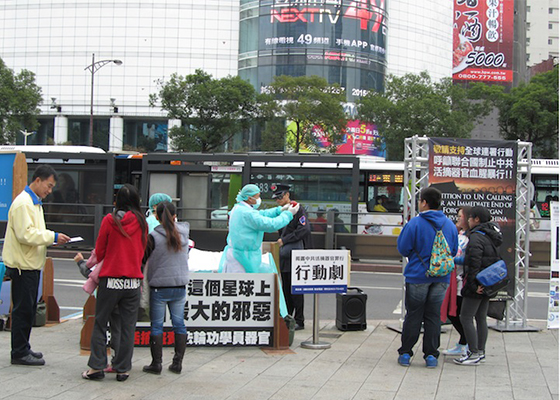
(223, 310)
(483, 40)
(319, 271)
(479, 173)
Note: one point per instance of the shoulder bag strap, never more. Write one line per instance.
(418, 254)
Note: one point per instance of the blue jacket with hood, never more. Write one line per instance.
(417, 238)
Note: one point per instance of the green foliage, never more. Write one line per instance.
(211, 110)
(273, 135)
(308, 102)
(19, 102)
(415, 105)
(529, 112)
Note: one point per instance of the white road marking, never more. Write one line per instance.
(80, 281)
(539, 295)
(398, 310)
(380, 287)
(77, 315)
(70, 285)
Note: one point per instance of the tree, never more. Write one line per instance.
(308, 102)
(212, 111)
(528, 112)
(19, 102)
(415, 105)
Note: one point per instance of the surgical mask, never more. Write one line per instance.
(257, 204)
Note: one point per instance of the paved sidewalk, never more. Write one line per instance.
(359, 366)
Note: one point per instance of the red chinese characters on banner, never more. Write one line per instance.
(483, 40)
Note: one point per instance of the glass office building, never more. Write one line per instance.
(153, 39)
(342, 41)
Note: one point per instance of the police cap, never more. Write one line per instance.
(279, 189)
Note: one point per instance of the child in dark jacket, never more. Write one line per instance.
(484, 238)
(168, 275)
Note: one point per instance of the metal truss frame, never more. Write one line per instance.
(516, 308)
(416, 174)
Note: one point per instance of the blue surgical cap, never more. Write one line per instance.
(247, 191)
(157, 198)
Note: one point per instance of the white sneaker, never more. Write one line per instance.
(458, 350)
(469, 359)
(482, 355)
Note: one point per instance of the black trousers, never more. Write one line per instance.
(110, 294)
(25, 288)
(456, 321)
(294, 302)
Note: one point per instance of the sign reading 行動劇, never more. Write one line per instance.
(319, 271)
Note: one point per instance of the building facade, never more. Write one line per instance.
(420, 37)
(153, 39)
(542, 31)
(354, 43)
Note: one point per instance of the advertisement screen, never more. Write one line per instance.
(327, 37)
(483, 40)
(359, 138)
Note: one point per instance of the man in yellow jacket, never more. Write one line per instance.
(24, 254)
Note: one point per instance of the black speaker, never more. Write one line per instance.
(351, 310)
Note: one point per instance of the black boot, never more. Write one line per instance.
(180, 346)
(156, 348)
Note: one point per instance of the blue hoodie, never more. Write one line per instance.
(417, 237)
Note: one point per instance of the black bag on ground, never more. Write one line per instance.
(496, 309)
(41, 314)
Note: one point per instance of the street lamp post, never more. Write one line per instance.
(93, 69)
(25, 134)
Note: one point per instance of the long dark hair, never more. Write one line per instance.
(165, 212)
(128, 199)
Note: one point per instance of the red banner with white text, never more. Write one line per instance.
(483, 40)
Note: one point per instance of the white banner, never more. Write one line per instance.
(223, 310)
(553, 303)
(319, 271)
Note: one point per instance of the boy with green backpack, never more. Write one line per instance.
(430, 242)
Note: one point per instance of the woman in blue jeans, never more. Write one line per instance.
(168, 275)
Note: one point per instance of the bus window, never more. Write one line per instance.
(384, 192)
(74, 190)
(223, 190)
(313, 191)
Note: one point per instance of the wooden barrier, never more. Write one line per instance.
(89, 320)
(281, 332)
(53, 311)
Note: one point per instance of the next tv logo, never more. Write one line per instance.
(330, 11)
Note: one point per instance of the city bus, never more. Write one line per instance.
(367, 192)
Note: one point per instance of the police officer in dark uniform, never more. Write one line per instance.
(295, 236)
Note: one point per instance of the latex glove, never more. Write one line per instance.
(293, 209)
(285, 208)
